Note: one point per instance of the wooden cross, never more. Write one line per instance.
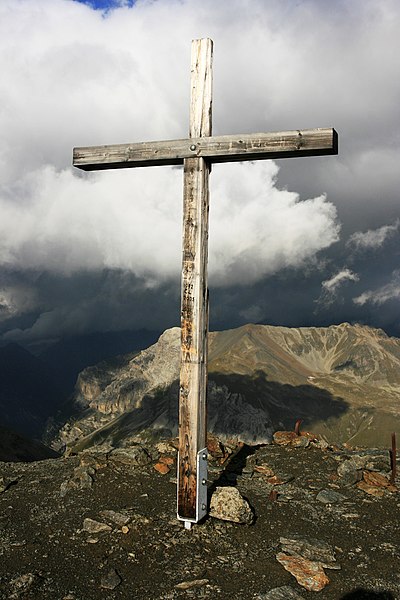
(197, 153)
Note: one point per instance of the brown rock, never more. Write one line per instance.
(273, 496)
(264, 470)
(375, 479)
(187, 585)
(284, 438)
(166, 460)
(310, 575)
(290, 438)
(162, 468)
(214, 447)
(392, 488)
(279, 479)
(372, 490)
(376, 484)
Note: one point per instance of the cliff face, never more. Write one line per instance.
(112, 387)
(343, 381)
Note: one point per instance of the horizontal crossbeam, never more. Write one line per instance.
(215, 149)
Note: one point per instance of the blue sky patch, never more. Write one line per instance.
(105, 5)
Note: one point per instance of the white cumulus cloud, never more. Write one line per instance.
(390, 291)
(331, 287)
(74, 76)
(373, 238)
(131, 220)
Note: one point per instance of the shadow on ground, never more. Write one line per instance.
(363, 594)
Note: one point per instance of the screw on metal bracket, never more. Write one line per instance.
(204, 456)
(203, 506)
(193, 147)
(204, 481)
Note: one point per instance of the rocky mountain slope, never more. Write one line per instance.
(343, 381)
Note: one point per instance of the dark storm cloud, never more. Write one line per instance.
(304, 244)
(90, 301)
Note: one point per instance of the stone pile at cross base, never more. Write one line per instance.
(286, 519)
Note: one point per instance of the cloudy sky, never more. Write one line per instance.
(302, 241)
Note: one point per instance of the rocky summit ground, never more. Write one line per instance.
(102, 525)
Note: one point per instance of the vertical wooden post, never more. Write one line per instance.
(192, 467)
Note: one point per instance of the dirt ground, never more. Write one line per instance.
(48, 550)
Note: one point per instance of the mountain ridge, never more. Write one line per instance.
(343, 381)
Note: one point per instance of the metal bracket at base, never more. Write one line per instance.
(201, 490)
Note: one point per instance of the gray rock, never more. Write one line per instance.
(111, 580)
(92, 526)
(136, 455)
(82, 478)
(6, 483)
(371, 459)
(310, 548)
(330, 497)
(195, 583)
(228, 504)
(3, 485)
(250, 464)
(285, 592)
(65, 487)
(116, 517)
(23, 584)
(322, 444)
(350, 471)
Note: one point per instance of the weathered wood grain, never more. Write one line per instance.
(217, 149)
(194, 325)
(197, 153)
(194, 313)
